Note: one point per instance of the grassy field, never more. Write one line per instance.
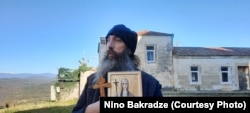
(25, 90)
(43, 107)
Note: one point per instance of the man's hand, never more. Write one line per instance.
(93, 108)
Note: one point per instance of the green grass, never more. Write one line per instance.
(43, 107)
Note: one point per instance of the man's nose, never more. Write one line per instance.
(110, 44)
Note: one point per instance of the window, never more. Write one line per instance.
(225, 74)
(150, 53)
(194, 78)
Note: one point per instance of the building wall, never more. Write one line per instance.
(174, 71)
(101, 48)
(209, 71)
(83, 79)
(162, 68)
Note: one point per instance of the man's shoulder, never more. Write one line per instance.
(146, 73)
(148, 76)
(91, 76)
(149, 81)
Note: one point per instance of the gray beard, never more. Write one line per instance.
(121, 62)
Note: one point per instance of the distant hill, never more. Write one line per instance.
(25, 87)
(26, 75)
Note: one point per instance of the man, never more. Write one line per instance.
(121, 44)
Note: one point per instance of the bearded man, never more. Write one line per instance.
(121, 44)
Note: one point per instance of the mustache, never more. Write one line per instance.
(111, 51)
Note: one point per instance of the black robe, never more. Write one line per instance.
(150, 88)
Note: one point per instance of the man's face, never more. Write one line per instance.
(114, 46)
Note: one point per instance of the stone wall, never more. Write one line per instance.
(162, 68)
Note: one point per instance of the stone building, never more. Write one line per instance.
(191, 68)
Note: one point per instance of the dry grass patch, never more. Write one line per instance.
(43, 107)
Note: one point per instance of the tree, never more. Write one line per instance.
(82, 68)
(63, 72)
(66, 74)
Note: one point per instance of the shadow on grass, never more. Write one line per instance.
(55, 109)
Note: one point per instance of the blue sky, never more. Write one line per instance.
(40, 36)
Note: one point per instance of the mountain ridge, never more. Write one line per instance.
(25, 75)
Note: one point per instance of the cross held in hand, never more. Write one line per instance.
(101, 85)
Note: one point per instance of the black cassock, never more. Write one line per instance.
(150, 88)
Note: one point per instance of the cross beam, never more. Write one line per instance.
(101, 85)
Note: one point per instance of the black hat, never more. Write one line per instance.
(128, 36)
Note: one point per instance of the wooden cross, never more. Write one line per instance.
(101, 85)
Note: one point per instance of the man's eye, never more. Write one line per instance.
(118, 40)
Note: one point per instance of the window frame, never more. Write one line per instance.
(228, 72)
(197, 72)
(154, 54)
